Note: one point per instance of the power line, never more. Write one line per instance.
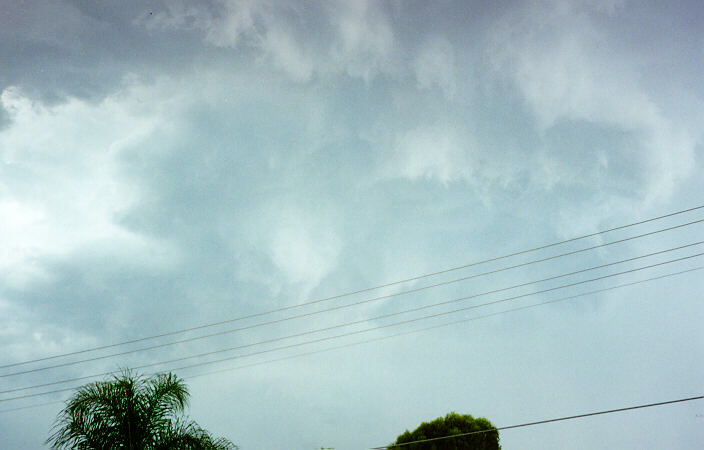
(377, 339)
(383, 297)
(38, 405)
(447, 324)
(541, 422)
(346, 294)
(404, 322)
(376, 299)
(388, 315)
(340, 335)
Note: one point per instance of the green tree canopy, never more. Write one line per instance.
(131, 412)
(452, 424)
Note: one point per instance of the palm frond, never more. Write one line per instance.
(131, 411)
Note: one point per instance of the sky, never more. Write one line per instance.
(171, 164)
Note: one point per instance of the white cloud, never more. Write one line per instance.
(63, 190)
(286, 55)
(24, 338)
(17, 254)
(357, 40)
(435, 65)
(237, 19)
(434, 153)
(304, 246)
(364, 40)
(610, 7)
(567, 70)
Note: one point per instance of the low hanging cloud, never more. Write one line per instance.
(434, 153)
(303, 248)
(581, 118)
(435, 66)
(352, 37)
(62, 191)
(175, 163)
(559, 60)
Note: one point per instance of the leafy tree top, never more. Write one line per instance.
(452, 424)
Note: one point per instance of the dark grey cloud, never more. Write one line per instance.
(168, 164)
(85, 49)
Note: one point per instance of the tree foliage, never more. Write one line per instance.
(131, 412)
(452, 424)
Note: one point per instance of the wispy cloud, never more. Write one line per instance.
(175, 163)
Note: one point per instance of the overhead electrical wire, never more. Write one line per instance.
(541, 422)
(70, 363)
(344, 334)
(382, 338)
(446, 324)
(404, 322)
(396, 294)
(377, 339)
(290, 307)
(38, 405)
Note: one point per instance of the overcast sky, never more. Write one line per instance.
(165, 165)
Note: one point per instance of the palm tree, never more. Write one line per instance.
(131, 412)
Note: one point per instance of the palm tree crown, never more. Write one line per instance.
(131, 412)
